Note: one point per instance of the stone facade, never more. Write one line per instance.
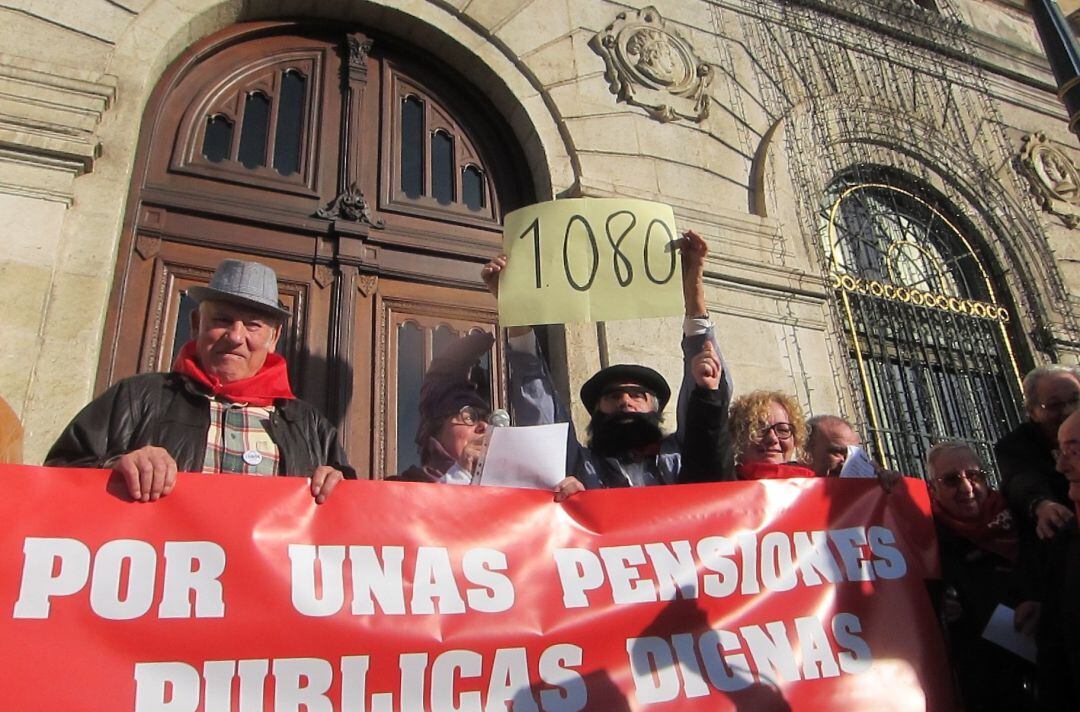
(737, 148)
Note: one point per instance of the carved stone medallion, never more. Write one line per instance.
(1053, 177)
(652, 66)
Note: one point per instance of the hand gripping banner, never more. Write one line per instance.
(237, 593)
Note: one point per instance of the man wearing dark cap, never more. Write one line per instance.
(226, 405)
(626, 446)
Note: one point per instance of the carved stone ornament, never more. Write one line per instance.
(652, 66)
(1054, 178)
(323, 275)
(367, 283)
(359, 48)
(352, 206)
(147, 246)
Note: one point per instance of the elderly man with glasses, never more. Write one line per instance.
(1036, 493)
(979, 546)
(225, 407)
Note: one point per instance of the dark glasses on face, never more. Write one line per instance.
(952, 479)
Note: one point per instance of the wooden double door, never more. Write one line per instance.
(368, 176)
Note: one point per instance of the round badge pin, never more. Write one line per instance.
(253, 457)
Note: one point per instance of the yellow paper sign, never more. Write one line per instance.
(589, 259)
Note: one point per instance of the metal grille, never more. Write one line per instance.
(926, 337)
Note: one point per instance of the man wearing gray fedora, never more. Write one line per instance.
(225, 407)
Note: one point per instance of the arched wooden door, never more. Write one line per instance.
(369, 177)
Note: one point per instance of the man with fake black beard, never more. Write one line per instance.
(626, 431)
(627, 446)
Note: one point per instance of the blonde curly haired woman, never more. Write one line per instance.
(767, 428)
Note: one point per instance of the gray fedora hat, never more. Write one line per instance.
(250, 284)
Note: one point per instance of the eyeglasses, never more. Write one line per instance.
(470, 415)
(952, 479)
(1058, 406)
(782, 431)
(1070, 450)
(636, 393)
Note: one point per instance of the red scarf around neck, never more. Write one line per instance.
(992, 530)
(270, 383)
(771, 471)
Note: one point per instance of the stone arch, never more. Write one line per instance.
(162, 31)
(149, 42)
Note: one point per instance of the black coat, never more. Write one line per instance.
(1028, 472)
(1056, 582)
(167, 410)
(990, 677)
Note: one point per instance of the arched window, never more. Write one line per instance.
(925, 325)
(436, 169)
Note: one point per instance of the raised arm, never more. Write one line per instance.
(697, 330)
(705, 392)
(533, 399)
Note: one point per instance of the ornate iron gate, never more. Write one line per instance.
(926, 331)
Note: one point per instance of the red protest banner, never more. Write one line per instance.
(236, 593)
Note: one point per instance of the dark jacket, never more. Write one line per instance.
(704, 412)
(167, 410)
(990, 677)
(1028, 472)
(1054, 579)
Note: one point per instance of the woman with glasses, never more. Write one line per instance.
(767, 429)
(454, 418)
(453, 414)
(978, 545)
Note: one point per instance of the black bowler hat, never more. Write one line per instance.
(624, 373)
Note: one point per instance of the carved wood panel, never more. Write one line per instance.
(296, 78)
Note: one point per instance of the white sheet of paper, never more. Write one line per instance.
(858, 463)
(530, 457)
(1000, 631)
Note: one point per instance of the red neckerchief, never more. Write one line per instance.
(270, 383)
(992, 530)
(771, 471)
